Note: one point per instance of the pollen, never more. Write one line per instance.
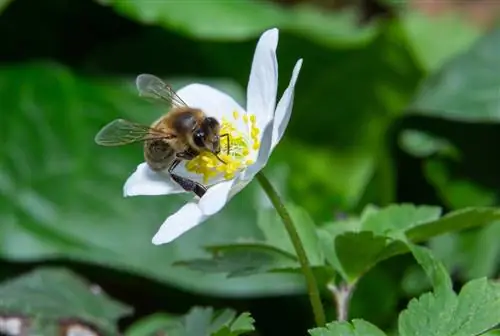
(240, 145)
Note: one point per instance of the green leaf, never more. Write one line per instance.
(465, 88)
(242, 324)
(383, 233)
(275, 253)
(225, 20)
(54, 294)
(206, 321)
(276, 235)
(355, 328)
(357, 252)
(455, 192)
(421, 144)
(242, 259)
(86, 218)
(153, 324)
(471, 254)
(474, 311)
(435, 270)
(436, 38)
(4, 4)
(398, 218)
(453, 221)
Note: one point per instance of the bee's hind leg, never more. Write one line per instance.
(186, 184)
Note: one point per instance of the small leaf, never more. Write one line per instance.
(242, 259)
(57, 294)
(398, 218)
(421, 144)
(205, 321)
(466, 88)
(435, 270)
(474, 311)
(355, 328)
(356, 252)
(153, 324)
(198, 321)
(243, 323)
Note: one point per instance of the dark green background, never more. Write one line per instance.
(68, 66)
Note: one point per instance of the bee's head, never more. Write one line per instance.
(207, 135)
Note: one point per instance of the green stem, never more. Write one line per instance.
(312, 287)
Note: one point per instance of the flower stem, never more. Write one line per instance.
(342, 296)
(312, 287)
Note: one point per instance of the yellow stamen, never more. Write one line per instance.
(240, 146)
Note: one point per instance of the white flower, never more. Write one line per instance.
(254, 133)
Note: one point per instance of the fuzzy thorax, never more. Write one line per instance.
(242, 149)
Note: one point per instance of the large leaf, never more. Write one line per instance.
(275, 253)
(225, 20)
(57, 295)
(436, 38)
(61, 195)
(465, 88)
(474, 311)
(242, 259)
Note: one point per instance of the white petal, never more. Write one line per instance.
(145, 181)
(263, 82)
(285, 106)
(213, 102)
(177, 224)
(264, 152)
(215, 198)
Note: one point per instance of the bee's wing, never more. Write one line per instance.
(123, 132)
(153, 87)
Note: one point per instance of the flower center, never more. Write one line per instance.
(240, 146)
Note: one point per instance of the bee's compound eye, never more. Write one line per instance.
(198, 138)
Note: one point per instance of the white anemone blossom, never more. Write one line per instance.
(254, 132)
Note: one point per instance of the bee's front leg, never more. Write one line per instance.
(186, 184)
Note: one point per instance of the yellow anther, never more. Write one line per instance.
(240, 146)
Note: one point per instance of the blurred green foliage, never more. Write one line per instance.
(402, 108)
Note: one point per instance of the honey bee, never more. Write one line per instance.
(181, 134)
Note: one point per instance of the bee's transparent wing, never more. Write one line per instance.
(153, 87)
(123, 132)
